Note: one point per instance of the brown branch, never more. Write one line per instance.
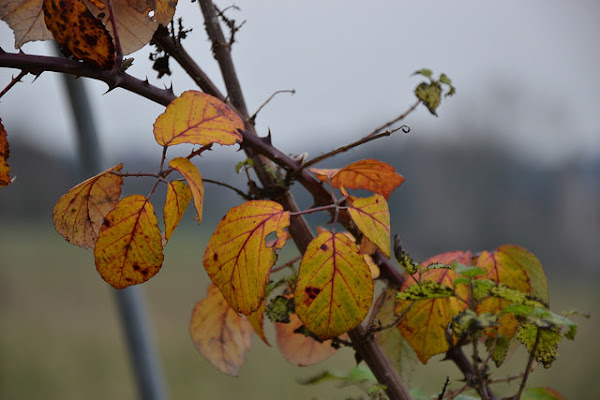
(114, 78)
(529, 363)
(176, 50)
(397, 119)
(13, 82)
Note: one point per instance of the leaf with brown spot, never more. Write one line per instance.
(219, 333)
(197, 118)
(191, 174)
(334, 289)
(372, 217)
(79, 214)
(26, 19)
(424, 325)
(5, 179)
(178, 198)
(373, 175)
(79, 33)
(299, 349)
(238, 259)
(129, 246)
(135, 26)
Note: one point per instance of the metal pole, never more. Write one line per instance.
(134, 318)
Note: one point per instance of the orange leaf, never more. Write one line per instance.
(517, 268)
(372, 217)
(129, 247)
(197, 118)
(26, 19)
(238, 258)
(425, 323)
(373, 175)
(4, 154)
(79, 33)
(299, 349)
(219, 333)
(135, 24)
(194, 179)
(79, 214)
(334, 289)
(178, 198)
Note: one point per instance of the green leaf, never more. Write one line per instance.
(356, 376)
(425, 72)
(482, 288)
(542, 393)
(248, 163)
(500, 349)
(426, 290)
(514, 296)
(430, 94)
(279, 309)
(403, 257)
(469, 324)
(468, 271)
(545, 351)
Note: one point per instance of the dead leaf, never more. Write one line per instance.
(5, 179)
(299, 349)
(26, 19)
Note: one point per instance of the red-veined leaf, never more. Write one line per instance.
(238, 258)
(194, 179)
(4, 154)
(129, 246)
(334, 289)
(197, 118)
(219, 333)
(79, 214)
(373, 175)
(372, 217)
(424, 325)
(178, 198)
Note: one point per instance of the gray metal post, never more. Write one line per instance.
(144, 356)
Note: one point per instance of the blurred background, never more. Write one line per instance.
(514, 157)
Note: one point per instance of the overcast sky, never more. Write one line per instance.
(527, 73)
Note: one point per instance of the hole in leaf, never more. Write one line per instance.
(271, 239)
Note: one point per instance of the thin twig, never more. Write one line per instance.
(350, 146)
(446, 383)
(243, 195)
(199, 151)
(253, 117)
(230, 23)
(397, 119)
(287, 264)
(529, 363)
(13, 82)
(113, 21)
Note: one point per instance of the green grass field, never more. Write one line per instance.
(60, 336)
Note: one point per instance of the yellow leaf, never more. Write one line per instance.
(194, 179)
(517, 268)
(135, 24)
(26, 19)
(79, 33)
(372, 217)
(129, 247)
(219, 333)
(178, 198)
(197, 118)
(299, 349)
(237, 257)
(79, 214)
(424, 325)
(334, 289)
(373, 175)
(256, 319)
(4, 154)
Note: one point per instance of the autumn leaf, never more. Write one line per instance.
(334, 289)
(129, 247)
(373, 175)
(372, 217)
(26, 19)
(79, 33)
(219, 333)
(197, 118)
(79, 214)
(178, 198)
(542, 393)
(300, 349)
(4, 154)
(191, 174)
(518, 269)
(425, 322)
(237, 257)
(256, 320)
(137, 20)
